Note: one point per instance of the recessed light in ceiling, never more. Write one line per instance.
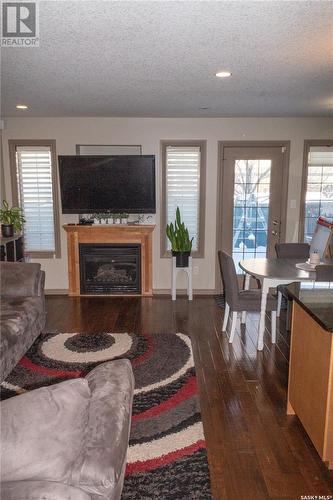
(204, 107)
(223, 74)
(21, 106)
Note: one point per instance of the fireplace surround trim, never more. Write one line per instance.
(127, 234)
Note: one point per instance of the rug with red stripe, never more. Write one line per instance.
(167, 456)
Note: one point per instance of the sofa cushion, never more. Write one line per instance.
(100, 467)
(19, 279)
(41, 490)
(43, 431)
(22, 319)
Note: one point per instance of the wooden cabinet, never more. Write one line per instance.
(12, 249)
(310, 389)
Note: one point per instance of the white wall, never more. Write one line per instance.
(149, 131)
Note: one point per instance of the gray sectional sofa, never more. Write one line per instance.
(68, 441)
(22, 316)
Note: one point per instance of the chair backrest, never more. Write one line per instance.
(229, 278)
(324, 272)
(292, 250)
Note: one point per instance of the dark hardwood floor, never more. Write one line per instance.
(255, 450)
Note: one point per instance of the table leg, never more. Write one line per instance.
(173, 278)
(264, 292)
(246, 287)
(190, 285)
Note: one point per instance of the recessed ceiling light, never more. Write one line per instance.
(204, 107)
(21, 106)
(223, 74)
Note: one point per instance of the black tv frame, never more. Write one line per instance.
(149, 210)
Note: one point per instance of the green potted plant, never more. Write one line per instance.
(124, 217)
(181, 243)
(11, 220)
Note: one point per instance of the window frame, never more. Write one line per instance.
(202, 144)
(13, 144)
(308, 143)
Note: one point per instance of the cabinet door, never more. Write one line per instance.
(10, 251)
(19, 249)
(2, 252)
(309, 389)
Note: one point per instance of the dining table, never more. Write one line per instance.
(271, 273)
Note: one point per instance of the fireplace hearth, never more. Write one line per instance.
(110, 268)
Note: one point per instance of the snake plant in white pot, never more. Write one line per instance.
(181, 243)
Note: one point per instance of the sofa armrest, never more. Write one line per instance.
(100, 468)
(21, 279)
(32, 490)
(41, 284)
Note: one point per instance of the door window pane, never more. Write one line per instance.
(251, 209)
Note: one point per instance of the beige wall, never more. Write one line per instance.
(149, 131)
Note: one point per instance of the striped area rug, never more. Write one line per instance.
(167, 456)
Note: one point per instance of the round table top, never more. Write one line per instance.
(284, 269)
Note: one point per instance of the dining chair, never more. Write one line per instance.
(299, 251)
(292, 250)
(324, 272)
(237, 301)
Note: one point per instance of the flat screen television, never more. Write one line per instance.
(92, 184)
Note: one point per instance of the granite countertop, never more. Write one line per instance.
(317, 301)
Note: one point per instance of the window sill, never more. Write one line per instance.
(43, 255)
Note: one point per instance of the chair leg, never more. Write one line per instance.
(279, 304)
(273, 326)
(233, 326)
(246, 287)
(226, 317)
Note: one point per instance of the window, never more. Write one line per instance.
(318, 185)
(35, 191)
(184, 186)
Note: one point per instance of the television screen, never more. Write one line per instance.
(91, 184)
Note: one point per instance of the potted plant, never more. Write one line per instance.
(123, 218)
(116, 218)
(11, 219)
(181, 243)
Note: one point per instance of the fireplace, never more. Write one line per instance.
(110, 268)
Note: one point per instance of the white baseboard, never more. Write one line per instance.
(183, 291)
(156, 291)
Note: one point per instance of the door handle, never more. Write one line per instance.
(275, 222)
(275, 233)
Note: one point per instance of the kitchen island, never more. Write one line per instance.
(310, 386)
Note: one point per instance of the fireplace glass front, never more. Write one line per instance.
(110, 268)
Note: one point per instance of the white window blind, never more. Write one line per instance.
(321, 156)
(183, 187)
(319, 188)
(35, 190)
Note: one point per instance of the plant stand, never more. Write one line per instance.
(188, 271)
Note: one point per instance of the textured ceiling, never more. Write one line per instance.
(159, 58)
